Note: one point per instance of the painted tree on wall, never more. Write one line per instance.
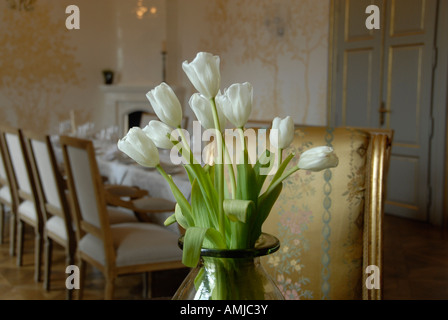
(268, 31)
(37, 66)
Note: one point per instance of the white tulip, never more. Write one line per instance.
(204, 73)
(203, 110)
(166, 105)
(236, 103)
(282, 132)
(138, 146)
(159, 133)
(318, 158)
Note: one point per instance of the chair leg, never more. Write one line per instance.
(38, 244)
(20, 238)
(12, 234)
(47, 262)
(147, 279)
(110, 288)
(82, 278)
(2, 219)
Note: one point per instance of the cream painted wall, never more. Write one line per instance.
(280, 46)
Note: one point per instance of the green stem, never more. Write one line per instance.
(231, 172)
(180, 198)
(275, 183)
(185, 144)
(279, 157)
(243, 145)
(220, 147)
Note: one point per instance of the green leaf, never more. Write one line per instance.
(246, 181)
(193, 239)
(282, 167)
(238, 210)
(185, 221)
(199, 277)
(265, 204)
(205, 183)
(178, 195)
(193, 242)
(214, 239)
(170, 220)
(261, 164)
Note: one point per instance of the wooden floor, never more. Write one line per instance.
(415, 261)
(415, 268)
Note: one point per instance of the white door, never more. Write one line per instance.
(382, 78)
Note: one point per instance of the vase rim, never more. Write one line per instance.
(265, 245)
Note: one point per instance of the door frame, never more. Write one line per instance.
(438, 210)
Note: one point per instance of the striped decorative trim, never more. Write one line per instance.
(326, 230)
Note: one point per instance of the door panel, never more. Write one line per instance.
(383, 79)
(404, 21)
(358, 77)
(404, 93)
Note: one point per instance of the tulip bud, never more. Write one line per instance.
(318, 158)
(138, 146)
(204, 74)
(159, 133)
(203, 110)
(283, 134)
(166, 105)
(236, 103)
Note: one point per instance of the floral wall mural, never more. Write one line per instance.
(38, 65)
(285, 42)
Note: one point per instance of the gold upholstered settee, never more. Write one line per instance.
(329, 223)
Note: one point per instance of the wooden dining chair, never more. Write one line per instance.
(117, 249)
(51, 190)
(24, 191)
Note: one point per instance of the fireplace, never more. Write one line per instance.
(123, 100)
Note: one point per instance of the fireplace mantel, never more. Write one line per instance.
(123, 99)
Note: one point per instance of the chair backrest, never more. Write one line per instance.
(86, 189)
(49, 180)
(21, 177)
(5, 180)
(3, 174)
(330, 223)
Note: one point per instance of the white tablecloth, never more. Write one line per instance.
(132, 174)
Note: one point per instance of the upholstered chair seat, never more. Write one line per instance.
(27, 210)
(135, 244)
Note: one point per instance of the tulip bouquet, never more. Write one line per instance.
(229, 202)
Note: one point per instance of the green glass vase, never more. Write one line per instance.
(231, 274)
